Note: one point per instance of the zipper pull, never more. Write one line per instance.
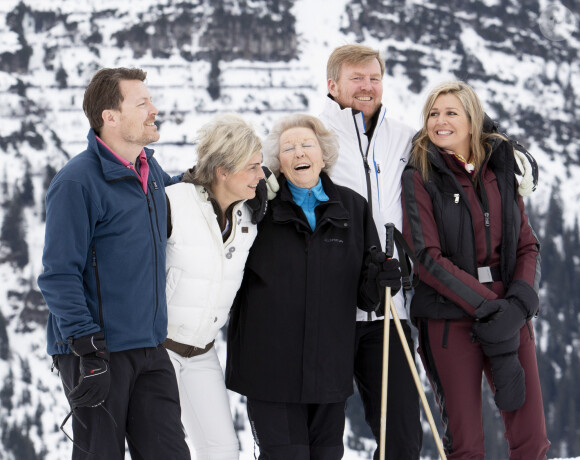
(378, 168)
(456, 196)
(486, 217)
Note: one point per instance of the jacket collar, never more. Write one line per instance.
(284, 209)
(345, 116)
(499, 159)
(112, 169)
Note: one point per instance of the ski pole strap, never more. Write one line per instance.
(390, 242)
(405, 252)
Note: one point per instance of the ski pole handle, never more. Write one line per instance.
(390, 241)
(389, 251)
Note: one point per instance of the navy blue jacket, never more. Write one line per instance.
(104, 252)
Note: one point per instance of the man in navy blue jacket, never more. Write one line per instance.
(104, 279)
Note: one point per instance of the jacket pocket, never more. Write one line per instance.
(98, 285)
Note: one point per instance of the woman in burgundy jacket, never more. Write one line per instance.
(479, 269)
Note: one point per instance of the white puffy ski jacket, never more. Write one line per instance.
(203, 272)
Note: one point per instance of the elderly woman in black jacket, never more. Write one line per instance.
(291, 332)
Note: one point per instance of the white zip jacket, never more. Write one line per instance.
(203, 272)
(386, 154)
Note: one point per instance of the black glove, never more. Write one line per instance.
(498, 320)
(259, 204)
(509, 381)
(95, 378)
(506, 372)
(382, 273)
(522, 295)
(266, 190)
(390, 275)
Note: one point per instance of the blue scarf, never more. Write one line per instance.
(308, 199)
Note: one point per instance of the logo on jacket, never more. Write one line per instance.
(333, 240)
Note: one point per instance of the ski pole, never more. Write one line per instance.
(420, 389)
(389, 250)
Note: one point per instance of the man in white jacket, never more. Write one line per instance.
(373, 153)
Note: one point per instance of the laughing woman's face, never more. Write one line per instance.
(300, 157)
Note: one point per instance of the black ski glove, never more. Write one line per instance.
(522, 295)
(498, 320)
(509, 381)
(382, 273)
(266, 190)
(507, 372)
(95, 378)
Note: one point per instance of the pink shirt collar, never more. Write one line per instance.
(144, 169)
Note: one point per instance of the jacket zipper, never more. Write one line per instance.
(484, 203)
(364, 156)
(154, 208)
(98, 284)
(155, 251)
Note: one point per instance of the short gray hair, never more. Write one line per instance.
(227, 141)
(326, 139)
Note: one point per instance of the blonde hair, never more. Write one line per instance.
(351, 54)
(226, 142)
(479, 145)
(326, 139)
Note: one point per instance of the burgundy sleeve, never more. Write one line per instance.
(528, 252)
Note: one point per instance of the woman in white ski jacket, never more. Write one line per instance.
(210, 231)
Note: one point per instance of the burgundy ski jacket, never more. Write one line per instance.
(456, 225)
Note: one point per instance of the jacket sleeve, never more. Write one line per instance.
(435, 270)
(368, 295)
(166, 178)
(526, 280)
(528, 252)
(71, 217)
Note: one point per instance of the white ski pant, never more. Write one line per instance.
(205, 408)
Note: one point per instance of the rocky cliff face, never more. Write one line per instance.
(265, 58)
(471, 39)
